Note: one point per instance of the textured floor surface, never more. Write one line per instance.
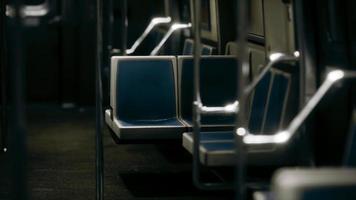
(61, 159)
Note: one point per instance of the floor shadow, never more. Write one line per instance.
(166, 185)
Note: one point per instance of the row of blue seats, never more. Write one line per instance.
(151, 97)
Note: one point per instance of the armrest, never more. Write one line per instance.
(284, 136)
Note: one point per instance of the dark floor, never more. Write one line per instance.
(62, 162)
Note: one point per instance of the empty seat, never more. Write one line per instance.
(144, 98)
(218, 87)
(315, 184)
(269, 104)
(189, 48)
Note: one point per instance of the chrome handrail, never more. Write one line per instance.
(274, 58)
(173, 28)
(284, 136)
(154, 22)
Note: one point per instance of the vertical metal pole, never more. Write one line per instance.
(197, 102)
(107, 48)
(197, 99)
(99, 106)
(243, 70)
(307, 80)
(124, 26)
(17, 126)
(3, 78)
(300, 35)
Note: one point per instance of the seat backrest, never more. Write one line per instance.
(269, 102)
(218, 85)
(277, 102)
(144, 87)
(189, 46)
(259, 102)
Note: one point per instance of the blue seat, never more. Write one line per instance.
(269, 102)
(218, 87)
(189, 46)
(144, 98)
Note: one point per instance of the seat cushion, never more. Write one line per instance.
(172, 122)
(216, 149)
(148, 130)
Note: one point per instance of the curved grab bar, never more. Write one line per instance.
(274, 59)
(154, 22)
(285, 135)
(173, 28)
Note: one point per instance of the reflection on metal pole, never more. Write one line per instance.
(3, 79)
(99, 106)
(243, 70)
(284, 136)
(17, 126)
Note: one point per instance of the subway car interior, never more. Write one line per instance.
(178, 99)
